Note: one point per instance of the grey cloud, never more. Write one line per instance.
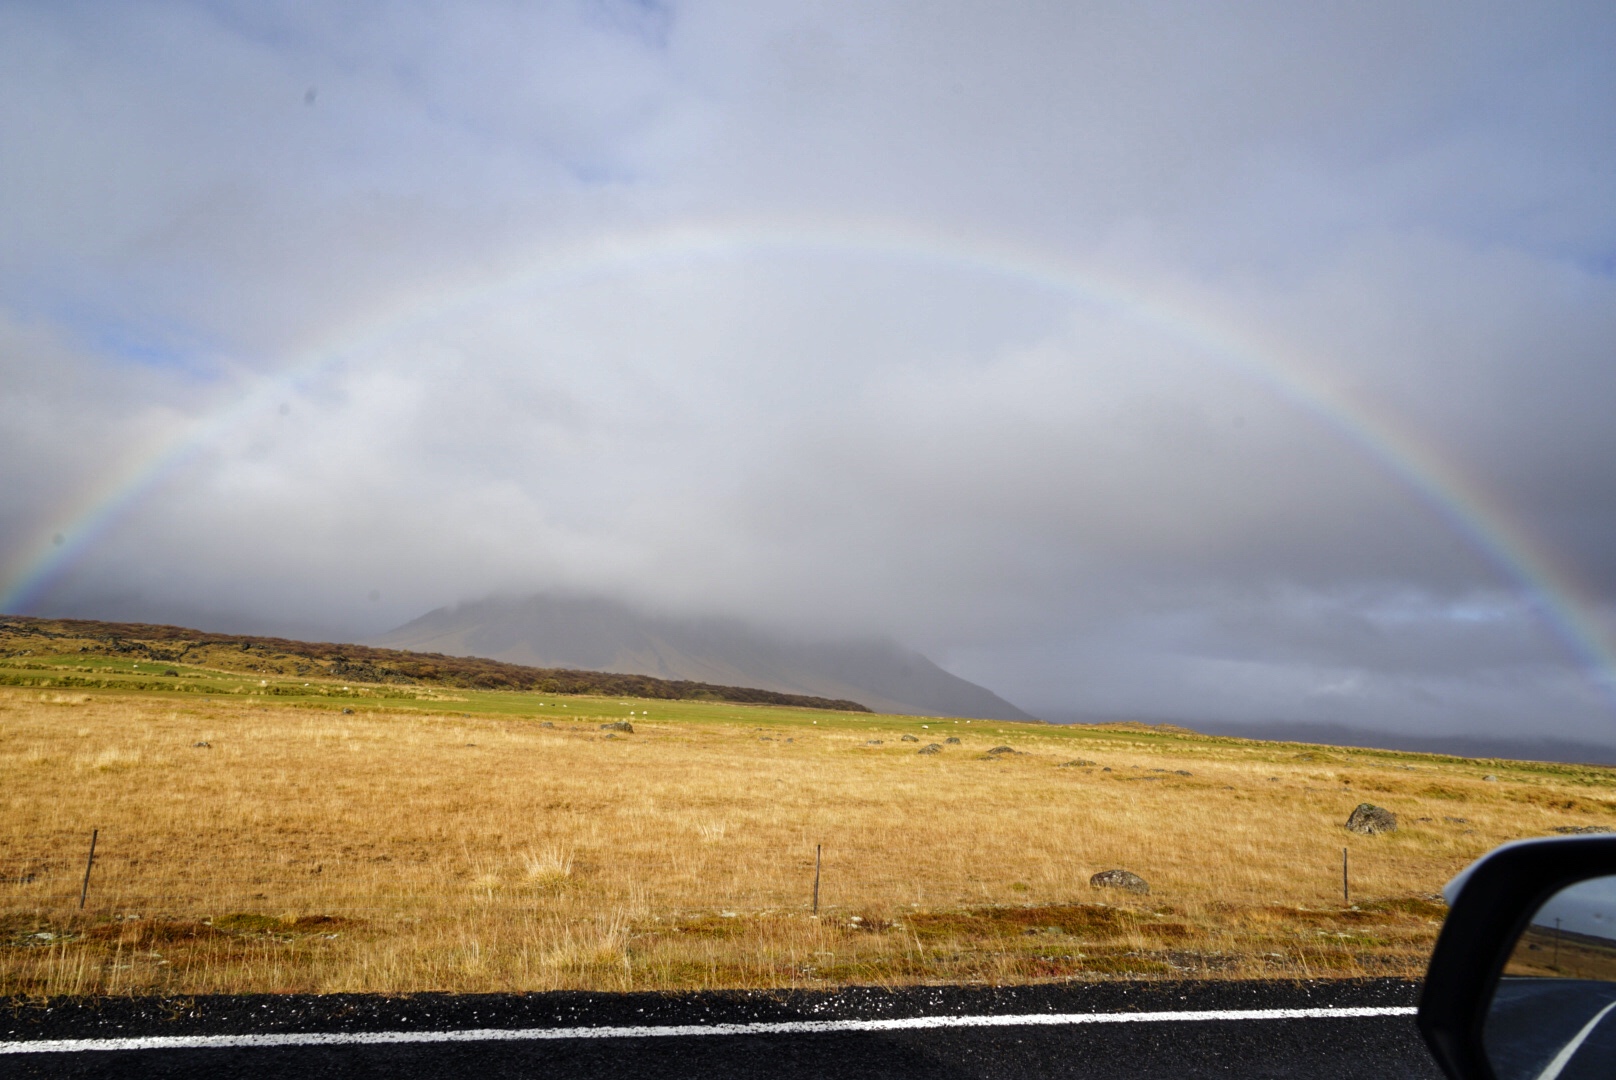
(1089, 512)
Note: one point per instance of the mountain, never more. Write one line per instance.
(282, 658)
(602, 635)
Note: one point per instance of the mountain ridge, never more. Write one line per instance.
(548, 630)
(362, 663)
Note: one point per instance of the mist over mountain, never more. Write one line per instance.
(604, 635)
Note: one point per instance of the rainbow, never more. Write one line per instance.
(1462, 503)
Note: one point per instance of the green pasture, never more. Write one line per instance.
(94, 674)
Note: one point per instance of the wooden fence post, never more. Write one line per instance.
(84, 890)
(817, 850)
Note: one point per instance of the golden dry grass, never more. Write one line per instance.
(307, 850)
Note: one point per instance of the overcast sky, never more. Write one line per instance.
(1242, 362)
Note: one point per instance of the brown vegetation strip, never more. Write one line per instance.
(261, 655)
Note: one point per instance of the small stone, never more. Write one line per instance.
(1119, 879)
(952, 740)
(1582, 830)
(1490, 779)
(909, 738)
(547, 724)
(610, 735)
(931, 748)
(1182, 772)
(347, 712)
(1106, 769)
(203, 745)
(619, 725)
(1369, 819)
(872, 742)
(997, 750)
(1077, 763)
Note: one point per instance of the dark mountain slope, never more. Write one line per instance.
(552, 631)
(22, 637)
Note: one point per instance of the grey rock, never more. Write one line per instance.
(909, 738)
(619, 725)
(203, 745)
(547, 724)
(1077, 763)
(1490, 778)
(872, 742)
(998, 750)
(347, 712)
(1119, 879)
(952, 740)
(1582, 830)
(931, 748)
(1369, 819)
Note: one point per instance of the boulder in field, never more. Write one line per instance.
(1119, 879)
(619, 725)
(931, 748)
(1369, 819)
(909, 738)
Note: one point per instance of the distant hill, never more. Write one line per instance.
(602, 635)
(21, 636)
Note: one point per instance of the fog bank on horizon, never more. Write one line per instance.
(1224, 365)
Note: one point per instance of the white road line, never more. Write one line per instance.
(1563, 1058)
(786, 1027)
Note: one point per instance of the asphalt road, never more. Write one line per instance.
(1046, 1031)
(1534, 1021)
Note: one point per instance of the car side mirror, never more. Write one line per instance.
(1522, 983)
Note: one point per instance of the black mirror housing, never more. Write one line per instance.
(1490, 907)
